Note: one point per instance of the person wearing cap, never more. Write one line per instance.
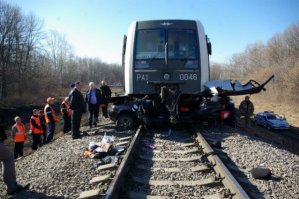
(43, 124)
(78, 107)
(106, 93)
(18, 133)
(36, 130)
(246, 109)
(51, 118)
(93, 99)
(66, 114)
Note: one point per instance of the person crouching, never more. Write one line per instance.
(36, 130)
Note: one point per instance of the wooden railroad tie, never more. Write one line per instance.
(189, 159)
(203, 182)
(174, 170)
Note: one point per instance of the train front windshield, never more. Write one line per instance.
(174, 48)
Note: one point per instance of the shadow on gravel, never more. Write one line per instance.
(34, 195)
(237, 172)
(283, 139)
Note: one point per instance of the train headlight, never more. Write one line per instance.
(166, 76)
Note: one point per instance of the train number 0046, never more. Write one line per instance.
(188, 76)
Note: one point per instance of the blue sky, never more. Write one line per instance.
(95, 28)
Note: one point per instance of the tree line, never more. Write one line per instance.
(279, 56)
(34, 61)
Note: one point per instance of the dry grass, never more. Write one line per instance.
(266, 102)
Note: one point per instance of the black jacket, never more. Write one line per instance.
(3, 136)
(98, 96)
(77, 101)
(106, 92)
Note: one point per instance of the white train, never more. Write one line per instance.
(167, 76)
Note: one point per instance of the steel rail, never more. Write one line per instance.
(236, 191)
(114, 186)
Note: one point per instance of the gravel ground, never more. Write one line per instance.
(168, 145)
(59, 169)
(248, 152)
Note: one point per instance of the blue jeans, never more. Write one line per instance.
(51, 130)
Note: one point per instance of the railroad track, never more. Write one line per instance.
(166, 164)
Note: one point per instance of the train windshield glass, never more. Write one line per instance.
(150, 44)
(182, 44)
(180, 47)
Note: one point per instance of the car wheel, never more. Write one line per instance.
(125, 122)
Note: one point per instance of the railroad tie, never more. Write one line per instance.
(100, 178)
(138, 195)
(173, 170)
(125, 138)
(188, 144)
(106, 167)
(192, 150)
(90, 194)
(203, 182)
(122, 143)
(189, 159)
(213, 196)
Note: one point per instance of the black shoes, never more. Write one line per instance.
(77, 137)
(19, 189)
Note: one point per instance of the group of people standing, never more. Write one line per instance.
(42, 125)
(95, 99)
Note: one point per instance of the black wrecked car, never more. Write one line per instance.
(124, 113)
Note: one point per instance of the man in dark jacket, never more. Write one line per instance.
(3, 136)
(66, 114)
(106, 93)
(43, 124)
(93, 100)
(246, 109)
(78, 107)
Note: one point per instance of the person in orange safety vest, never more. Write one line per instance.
(18, 133)
(36, 130)
(66, 114)
(51, 118)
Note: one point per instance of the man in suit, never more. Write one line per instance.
(93, 99)
(78, 107)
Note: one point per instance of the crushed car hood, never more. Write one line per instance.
(231, 88)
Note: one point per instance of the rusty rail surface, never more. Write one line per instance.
(114, 186)
(226, 177)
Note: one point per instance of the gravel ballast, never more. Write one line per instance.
(59, 170)
(249, 152)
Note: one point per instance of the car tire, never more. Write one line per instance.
(125, 122)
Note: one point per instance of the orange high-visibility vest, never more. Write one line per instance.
(67, 106)
(32, 128)
(53, 114)
(20, 134)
